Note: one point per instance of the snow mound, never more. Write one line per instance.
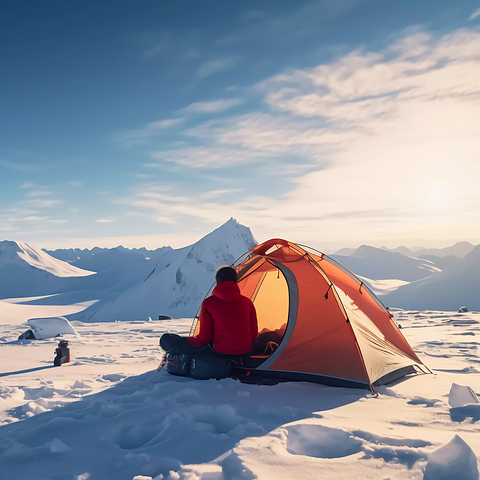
(50, 327)
(455, 460)
(460, 395)
(321, 442)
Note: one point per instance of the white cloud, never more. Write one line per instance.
(395, 134)
(141, 135)
(214, 106)
(33, 218)
(475, 14)
(75, 183)
(39, 193)
(163, 124)
(27, 218)
(20, 167)
(213, 67)
(362, 89)
(104, 220)
(269, 133)
(41, 203)
(206, 157)
(219, 193)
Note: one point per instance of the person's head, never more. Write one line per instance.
(225, 274)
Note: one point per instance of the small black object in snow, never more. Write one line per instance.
(62, 352)
(28, 335)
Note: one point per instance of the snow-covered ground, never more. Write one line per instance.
(109, 414)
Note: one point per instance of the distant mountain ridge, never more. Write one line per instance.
(459, 250)
(378, 264)
(96, 257)
(117, 268)
(456, 287)
(138, 283)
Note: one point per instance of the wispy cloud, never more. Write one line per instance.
(153, 129)
(75, 183)
(475, 14)
(365, 87)
(160, 45)
(34, 218)
(392, 133)
(296, 25)
(38, 201)
(22, 221)
(213, 67)
(105, 220)
(20, 166)
(206, 157)
(214, 106)
(141, 135)
(220, 193)
(39, 193)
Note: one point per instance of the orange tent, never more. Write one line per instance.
(333, 329)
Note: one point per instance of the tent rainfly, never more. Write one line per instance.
(331, 328)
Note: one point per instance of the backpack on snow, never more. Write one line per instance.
(178, 364)
(204, 366)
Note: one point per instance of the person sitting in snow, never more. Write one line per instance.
(228, 322)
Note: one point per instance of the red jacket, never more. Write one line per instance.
(228, 321)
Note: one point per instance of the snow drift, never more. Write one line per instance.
(50, 327)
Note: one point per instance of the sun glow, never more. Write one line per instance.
(439, 196)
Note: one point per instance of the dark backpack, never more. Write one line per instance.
(204, 366)
(178, 364)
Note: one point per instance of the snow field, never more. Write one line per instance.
(110, 414)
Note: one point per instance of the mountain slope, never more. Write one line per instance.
(379, 264)
(117, 268)
(181, 278)
(458, 286)
(26, 271)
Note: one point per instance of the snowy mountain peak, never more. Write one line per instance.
(225, 242)
(9, 251)
(182, 277)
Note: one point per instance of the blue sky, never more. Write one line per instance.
(331, 123)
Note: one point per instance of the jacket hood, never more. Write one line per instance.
(227, 291)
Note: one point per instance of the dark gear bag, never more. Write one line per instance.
(204, 366)
(178, 363)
